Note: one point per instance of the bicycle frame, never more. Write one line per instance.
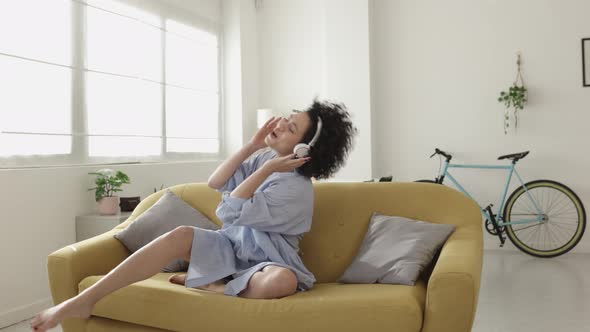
(512, 169)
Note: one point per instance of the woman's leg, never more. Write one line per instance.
(142, 264)
(216, 286)
(272, 282)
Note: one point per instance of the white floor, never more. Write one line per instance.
(528, 294)
(520, 293)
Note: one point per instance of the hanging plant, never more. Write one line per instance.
(514, 98)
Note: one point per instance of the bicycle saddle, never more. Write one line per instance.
(514, 156)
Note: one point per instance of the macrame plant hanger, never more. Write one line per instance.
(518, 77)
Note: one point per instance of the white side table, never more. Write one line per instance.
(91, 225)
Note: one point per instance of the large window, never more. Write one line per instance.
(99, 81)
(35, 96)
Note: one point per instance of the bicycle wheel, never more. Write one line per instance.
(563, 224)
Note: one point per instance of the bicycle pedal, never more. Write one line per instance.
(502, 240)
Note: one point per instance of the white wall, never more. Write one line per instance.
(232, 77)
(438, 68)
(291, 53)
(318, 48)
(39, 205)
(240, 74)
(250, 64)
(347, 78)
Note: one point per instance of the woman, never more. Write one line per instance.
(266, 206)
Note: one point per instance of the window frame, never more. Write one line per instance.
(79, 144)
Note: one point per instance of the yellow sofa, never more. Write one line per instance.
(443, 300)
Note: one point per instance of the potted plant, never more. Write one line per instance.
(108, 182)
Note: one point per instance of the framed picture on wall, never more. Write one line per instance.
(586, 61)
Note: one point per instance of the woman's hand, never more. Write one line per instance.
(257, 142)
(284, 164)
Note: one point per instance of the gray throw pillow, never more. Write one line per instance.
(169, 212)
(395, 250)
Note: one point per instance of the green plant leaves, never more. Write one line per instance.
(122, 177)
(107, 182)
(515, 97)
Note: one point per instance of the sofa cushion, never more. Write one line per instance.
(155, 302)
(169, 212)
(396, 250)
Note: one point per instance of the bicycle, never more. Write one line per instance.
(552, 210)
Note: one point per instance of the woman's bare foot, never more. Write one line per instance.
(53, 316)
(178, 279)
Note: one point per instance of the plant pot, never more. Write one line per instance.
(108, 206)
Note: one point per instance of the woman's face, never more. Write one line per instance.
(288, 133)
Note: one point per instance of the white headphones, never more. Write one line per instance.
(302, 150)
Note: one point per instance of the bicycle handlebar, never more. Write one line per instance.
(437, 151)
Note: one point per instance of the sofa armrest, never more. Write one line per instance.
(94, 256)
(453, 287)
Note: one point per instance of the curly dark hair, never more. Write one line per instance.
(330, 151)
